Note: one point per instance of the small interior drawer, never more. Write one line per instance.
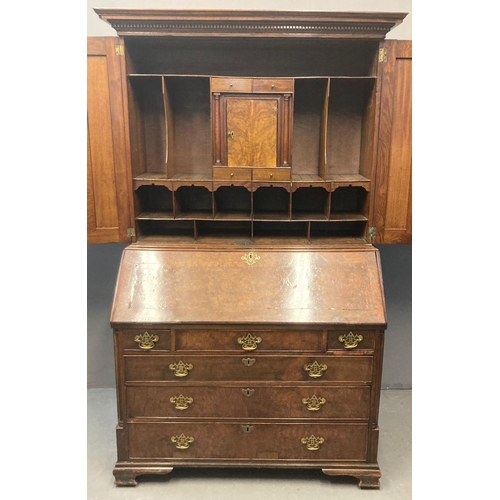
(231, 84)
(273, 85)
(232, 173)
(272, 174)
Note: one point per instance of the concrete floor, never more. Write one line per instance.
(247, 484)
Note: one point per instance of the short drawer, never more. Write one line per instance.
(231, 84)
(351, 340)
(232, 173)
(272, 174)
(248, 401)
(248, 368)
(267, 85)
(249, 340)
(257, 441)
(145, 339)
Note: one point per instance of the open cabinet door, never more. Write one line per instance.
(393, 181)
(108, 172)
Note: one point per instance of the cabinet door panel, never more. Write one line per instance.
(252, 131)
(393, 183)
(108, 178)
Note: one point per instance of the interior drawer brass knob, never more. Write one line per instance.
(315, 369)
(181, 402)
(146, 340)
(351, 340)
(312, 442)
(249, 342)
(314, 403)
(181, 369)
(182, 442)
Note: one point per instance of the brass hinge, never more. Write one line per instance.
(372, 233)
(119, 50)
(130, 232)
(382, 54)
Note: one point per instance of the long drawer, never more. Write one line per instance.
(242, 368)
(216, 440)
(195, 401)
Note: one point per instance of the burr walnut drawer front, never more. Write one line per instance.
(249, 401)
(351, 340)
(145, 339)
(243, 368)
(257, 441)
(250, 340)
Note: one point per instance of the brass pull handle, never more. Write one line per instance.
(248, 361)
(232, 174)
(181, 402)
(247, 429)
(248, 392)
(312, 442)
(351, 340)
(314, 403)
(181, 369)
(315, 369)
(249, 342)
(146, 340)
(272, 86)
(270, 176)
(182, 442)
(230, 134)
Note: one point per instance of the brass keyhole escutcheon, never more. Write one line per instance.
(247, 429)
(248, 361)
(182, 442)
(249, 342)
(146, 340)
(231, 134)
(247, 392)
(315, 369)
(181, 369)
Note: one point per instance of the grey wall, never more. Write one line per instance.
(103, 260)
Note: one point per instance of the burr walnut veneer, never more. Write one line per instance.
(250, 158)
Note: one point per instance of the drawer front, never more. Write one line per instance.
(252, 401)
(247, 368)
(249, 340)
(258, 441)
(147, 340)
(273, 85)
(231, 84)
(351, 340)
(272, 174)
(232, 174)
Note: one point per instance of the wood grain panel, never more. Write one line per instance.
(394, 157)
(108, 150)
(254, 123)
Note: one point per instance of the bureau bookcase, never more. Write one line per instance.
(247, 150)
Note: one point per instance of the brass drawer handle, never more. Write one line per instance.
(247, 429)
(351, 340)
(312, 442)
(181, 369)
(248, 392)
(315, 369)
(249, 342)
(146, 340)
(181, 402)
(248, 361)
(314, 403)
(182, 442)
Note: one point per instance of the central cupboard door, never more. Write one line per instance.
(252, 131)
